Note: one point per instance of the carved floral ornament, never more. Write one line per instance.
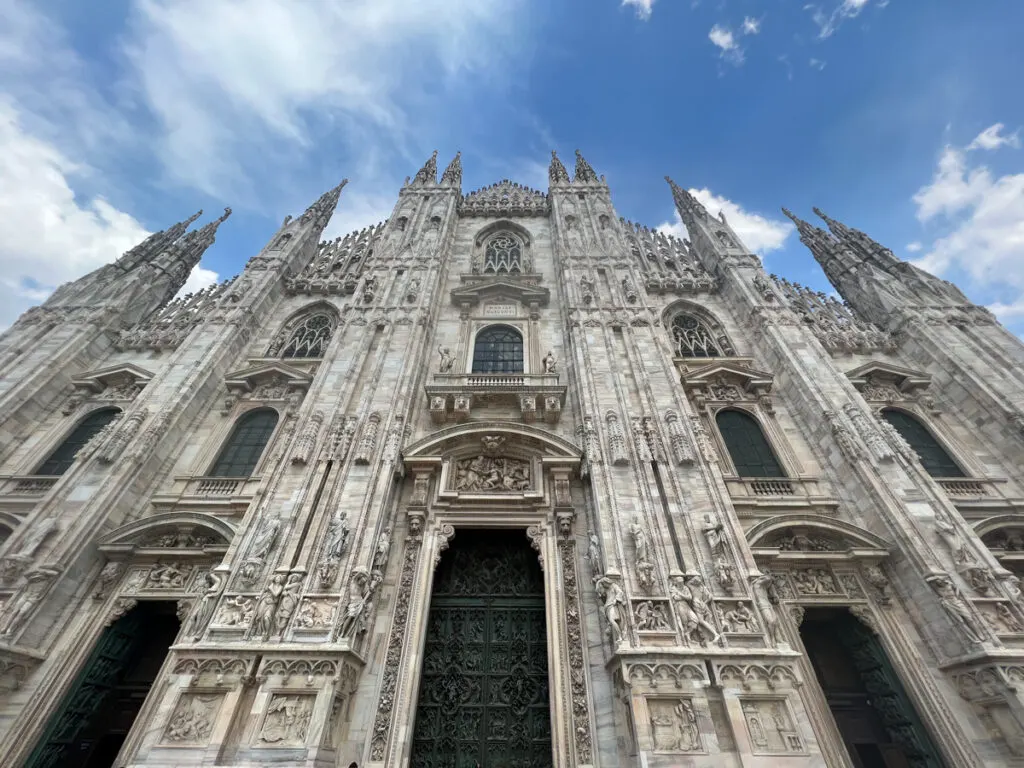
(884, 384)
(118, 384)
(270, 383)
(718, 384)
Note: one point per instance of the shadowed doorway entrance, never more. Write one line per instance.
(483, 700)
(875, 717)
(98, 711)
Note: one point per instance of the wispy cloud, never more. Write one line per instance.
(643, 7)
(751, 26)
(759, 233)
(817, 64)
(829, 21)
(729, 49)
(993, 138)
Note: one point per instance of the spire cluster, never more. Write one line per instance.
(687, 204)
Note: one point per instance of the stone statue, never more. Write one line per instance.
(876, 577)
(640, 541)
(264, 539)
(266, 607)
(380, 555)
(549, 362)
(713, 533)
(692, 608)
(725, 574)
(953, 539)
(594, 553)
(447, 361)
(614, 602)
(110, 573)
(289, 602)
(956, 606)
(357, 598)
(24, 604)
(213, 583)
(762, 587)
(650, 617)
(38, 533)
(740, 619)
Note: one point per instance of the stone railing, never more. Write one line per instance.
(217, 494)
(779, 492)
(959, 487)
(28, 485)
(451, 396)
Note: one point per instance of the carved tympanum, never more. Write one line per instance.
(491, 474)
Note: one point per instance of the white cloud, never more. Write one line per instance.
(230, 79)
(914, 247)
(817, 64)
(829, 22)
(643, 7)
(723, 37)
(48, 235)
(751, 26)
(198, 278)
(759, 233)
(981, 218)
(993, 138)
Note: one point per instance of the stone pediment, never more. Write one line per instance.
(186, 533)
(499, 287)
(506, 198)
(125, 374)
(876, 373)
(736, 371)
(271, 376)
(803, 537)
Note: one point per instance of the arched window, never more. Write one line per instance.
(61, 459)
(747, 446)
(693, 338)
(934, 459)
(503, 254)
(311, 336)
(498, 349)
(242, 452)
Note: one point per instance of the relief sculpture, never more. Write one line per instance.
(492, 474)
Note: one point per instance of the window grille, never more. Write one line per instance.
(934, 458)
(748, 448)
(60, 460)
(498, 349)
(249, 438)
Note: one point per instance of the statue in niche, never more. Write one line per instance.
(266, 607)
(549, 362)
(692, 608)
(725, 574)
(614, 601)
(764, 595)
(264, 539)
(713, 533)
(492, 474)
(289, 602)
(447, 361)
(953, 539)
(380, 555)
(358, 596)
(587, 289)
(594, 553)
(213, 582)
(955, 605)
(640, 541)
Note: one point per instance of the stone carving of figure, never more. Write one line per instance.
(380, 555)
(549, 362)
(447, 361)
(740, 619)
(289, 602)
(762, 587)
(25, 604)
(725, 574)
(213, 582)
(167, 576)
(689, 735)
(111, 571)
(614, 601)
(651, 617)
(692, 608)
(594, 553)
(491, 473)
(876, 578)
(713, 533)
(955, 605)
(357, 599)
(264, 539)
(586, 289)
(640, 541)
(953, 539)
(266, 607)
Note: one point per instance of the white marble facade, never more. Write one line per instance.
(675, 586)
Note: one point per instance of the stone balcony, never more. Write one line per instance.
(771, 495)
(453, 396)
(19, 494)
(978, 498)
(218, 495)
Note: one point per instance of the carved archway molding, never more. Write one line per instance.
(188, 534)
(799, 537)
(543, 514)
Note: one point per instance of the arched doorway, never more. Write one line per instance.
(871, 709)
(90, 726)
(483, 700)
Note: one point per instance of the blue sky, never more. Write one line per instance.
(900, 118)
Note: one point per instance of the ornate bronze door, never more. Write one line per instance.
(483, 699)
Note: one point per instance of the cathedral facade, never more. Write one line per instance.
(507, 480)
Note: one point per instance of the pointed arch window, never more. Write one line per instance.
(693, 337)
(503, 254)
(934, 458)
(249, 438)
(310, 337)
(748, 448)
(63, 457)
(498, 349)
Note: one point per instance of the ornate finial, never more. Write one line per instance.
(453, 173)
(157, 243)
(428, 173)
(687, 204)
(584, 173)
(321, 210)
(556, 171)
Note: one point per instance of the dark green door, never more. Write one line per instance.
(483, 699)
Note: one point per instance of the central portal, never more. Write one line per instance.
(483, 699)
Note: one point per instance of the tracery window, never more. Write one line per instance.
(693, 338)
(241, 453)
(63, 457)
(748, 448)
(498, 349)
(503, 254)
(934, 458)
(311, 337)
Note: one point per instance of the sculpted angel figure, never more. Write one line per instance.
(614, 600)
(447, 361)
(549, 362)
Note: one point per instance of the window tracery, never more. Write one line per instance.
(503, 254)
(934, 458)
(308, 339)
(498, 349)
(249, 438)
(693, 337)
(61, 459)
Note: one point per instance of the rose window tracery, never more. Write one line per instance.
(503, 254)
(311, 337)
(693, 338)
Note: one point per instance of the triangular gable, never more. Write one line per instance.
(506, 198)
(114, 375)
(736, 370)
(247, 379)
(499, 287)
(905, 379)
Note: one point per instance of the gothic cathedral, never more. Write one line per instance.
(507, 481)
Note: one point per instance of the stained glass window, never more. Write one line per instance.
(242, 452)
(934, 459)
(498, 349)
(60, 460)
(749, 450)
